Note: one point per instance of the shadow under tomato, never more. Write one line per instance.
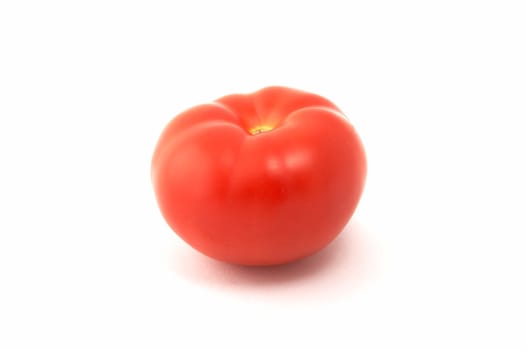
(340, 266)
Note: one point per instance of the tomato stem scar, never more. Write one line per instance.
(259, 129)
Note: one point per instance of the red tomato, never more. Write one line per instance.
(259, 179)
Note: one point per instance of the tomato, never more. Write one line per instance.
(259, 179)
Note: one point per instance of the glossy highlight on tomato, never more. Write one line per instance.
(259, 179)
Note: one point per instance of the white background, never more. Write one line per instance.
(434, 258)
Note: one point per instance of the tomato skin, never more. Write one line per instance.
(259, 179)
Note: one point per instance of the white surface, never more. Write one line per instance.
(433, 259)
